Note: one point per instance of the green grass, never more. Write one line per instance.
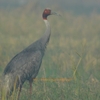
(73, 50)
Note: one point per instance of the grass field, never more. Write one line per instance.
(73, 52)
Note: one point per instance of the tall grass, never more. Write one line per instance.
(73, 50)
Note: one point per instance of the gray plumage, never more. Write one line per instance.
(26, 64)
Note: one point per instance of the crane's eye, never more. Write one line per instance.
(46, 11)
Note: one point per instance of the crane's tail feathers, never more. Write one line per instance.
(9, 85)
(6, 86)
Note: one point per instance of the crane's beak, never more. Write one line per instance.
(54, 13)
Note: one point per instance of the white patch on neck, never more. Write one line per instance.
(47, 23)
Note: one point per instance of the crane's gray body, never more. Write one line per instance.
(26, 64)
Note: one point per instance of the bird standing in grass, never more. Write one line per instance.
(26, 64)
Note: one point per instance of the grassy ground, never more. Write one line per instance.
(73, 52)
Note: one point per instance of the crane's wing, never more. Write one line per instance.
(25, 63)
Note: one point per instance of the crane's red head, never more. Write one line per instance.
(46, 13)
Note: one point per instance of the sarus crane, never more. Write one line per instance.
(26, 64)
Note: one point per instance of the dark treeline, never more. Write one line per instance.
(77, 6)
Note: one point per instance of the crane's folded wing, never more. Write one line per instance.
(24, 62)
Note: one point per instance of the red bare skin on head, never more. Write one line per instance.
(46, 13)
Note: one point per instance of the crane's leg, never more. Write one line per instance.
(30, 90)
(19, 90)
(30, 82)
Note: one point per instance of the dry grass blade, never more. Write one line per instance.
(75, 71)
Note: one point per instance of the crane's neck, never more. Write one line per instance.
(46, 23)
(46, 36)
(48, 29)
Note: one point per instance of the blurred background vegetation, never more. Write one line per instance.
(73, 50)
